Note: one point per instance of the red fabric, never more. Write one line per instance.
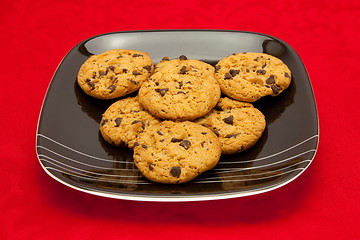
(323, 203)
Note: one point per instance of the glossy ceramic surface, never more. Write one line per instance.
(71, 150)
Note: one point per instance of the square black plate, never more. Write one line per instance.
(71, 150)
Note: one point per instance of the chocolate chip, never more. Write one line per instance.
(139, 121)
(275, 88)
(175, 171)
(218, 107)
(175, 140)
(133, 81)
(229, 120)
(120, 56)
(112, 88)
(181, 84)
(263, 66)
(202, 144)
(92, 85)
(136, 73)
(137, 55)
(104, 121)
(118, 122)
(161, 140)
(135, 121)
(162, 91)
(181, 92)
(111, 68)
(286, 75)
(217, 68)
(231, 135)
(234, 72)
(160, 133)
(88, 80)
(262, 72)
(183, 70)
(165, 59)
(124, 70)
(216, 132)
(183, 57)
(102, 73)
(144, 146)
(136, 144)
(204, 133)
(151, 166)
(227, 76)
(185, 144)
(148, 68)
(270, 80)
(247, 70)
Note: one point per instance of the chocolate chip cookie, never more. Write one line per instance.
(180, 89)
(114, 73)
(239, 125)
(185, 66)
(176, 152)
(250, 76)
(124, 120)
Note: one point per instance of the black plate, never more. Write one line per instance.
(71, 150)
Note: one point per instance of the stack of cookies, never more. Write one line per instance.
(187, 113)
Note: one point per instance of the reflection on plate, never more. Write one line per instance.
(71, 150)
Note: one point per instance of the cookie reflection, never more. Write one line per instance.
(273, 47)
(123, 174)
(255, 177)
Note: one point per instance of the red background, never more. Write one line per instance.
(323, 203)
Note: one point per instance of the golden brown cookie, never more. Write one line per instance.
(176, 152)
(124, 120)
(183, 65)
(180, 89)
(114, 73)
(238, 125)
(250, 76)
